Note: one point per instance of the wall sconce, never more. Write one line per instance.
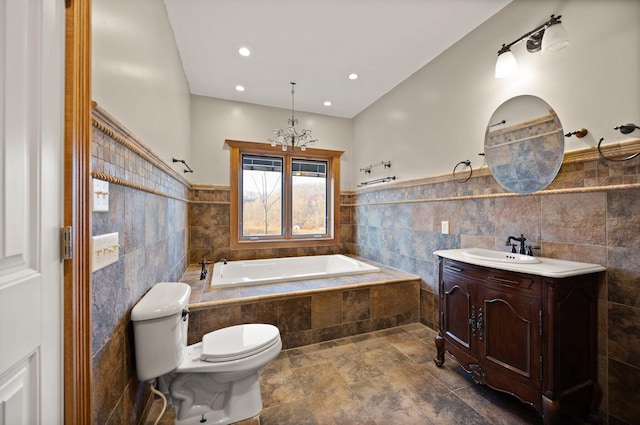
(549, 36)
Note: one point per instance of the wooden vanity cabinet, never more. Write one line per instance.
(531, 336)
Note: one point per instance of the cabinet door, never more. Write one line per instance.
(457, 314)
(510, 340)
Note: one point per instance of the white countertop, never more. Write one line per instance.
(549, 267)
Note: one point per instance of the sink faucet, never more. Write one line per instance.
(521, 239)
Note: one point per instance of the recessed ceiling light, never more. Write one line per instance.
(239, 88)
(353, 76)
(244, 51)
(327, 103)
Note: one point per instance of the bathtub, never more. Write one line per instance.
(257, 272)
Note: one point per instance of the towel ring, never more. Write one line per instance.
(468, 164)
(630, 157)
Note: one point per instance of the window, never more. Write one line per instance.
(283, 199)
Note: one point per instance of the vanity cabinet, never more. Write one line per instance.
(531, 336)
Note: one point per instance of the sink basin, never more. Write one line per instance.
(499, 256)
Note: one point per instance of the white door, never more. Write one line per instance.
(31, 140)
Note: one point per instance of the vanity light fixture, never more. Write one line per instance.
(243, 51)
(239, 88)
(290, 139)
(549, 36)
(353, 76)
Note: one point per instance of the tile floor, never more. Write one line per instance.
(384, 377)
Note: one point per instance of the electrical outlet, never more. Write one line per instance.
(445, 227)
(104, 250)
(100, 196)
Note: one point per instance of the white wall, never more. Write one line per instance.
(215, 120)
(138, 76)
(437, 117)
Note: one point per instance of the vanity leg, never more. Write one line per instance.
(550, 411)
(594, 407)
(439, 360)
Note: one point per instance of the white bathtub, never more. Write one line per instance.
(256, 272)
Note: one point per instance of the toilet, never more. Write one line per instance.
(215, 381)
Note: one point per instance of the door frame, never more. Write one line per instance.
(77, 274)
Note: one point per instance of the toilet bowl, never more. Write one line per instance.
(215, 381)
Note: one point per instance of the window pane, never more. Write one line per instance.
(309, 197)
(261, 196)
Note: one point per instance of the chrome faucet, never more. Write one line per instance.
(521, 239)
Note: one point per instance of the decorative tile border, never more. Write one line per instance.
(119, 157)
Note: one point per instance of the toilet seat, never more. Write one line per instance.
(237, 342)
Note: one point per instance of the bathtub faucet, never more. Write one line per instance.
(521, 239)
(223, 260)
(203, 272)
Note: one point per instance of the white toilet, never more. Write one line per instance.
(214, 381)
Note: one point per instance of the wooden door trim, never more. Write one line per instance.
(77, 274)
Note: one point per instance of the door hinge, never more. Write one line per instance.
(540, 374)
(66, 243)
(540, 321)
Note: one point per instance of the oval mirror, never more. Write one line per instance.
(524, 144)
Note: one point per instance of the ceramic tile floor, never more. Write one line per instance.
(384, 377)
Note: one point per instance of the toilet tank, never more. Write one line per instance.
(160, 322)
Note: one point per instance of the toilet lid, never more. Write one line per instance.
(236, 342)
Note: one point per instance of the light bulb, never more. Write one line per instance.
(506, 65)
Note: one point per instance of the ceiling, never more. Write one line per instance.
(316, 44)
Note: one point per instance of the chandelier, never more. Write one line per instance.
(291, 138)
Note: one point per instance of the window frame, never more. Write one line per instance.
(332, 157)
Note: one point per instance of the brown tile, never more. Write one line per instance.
(295, 413)
(623, 276)
(326, 310)
(624, 334)
(382, 301)
(624, 391)
(296, 339)
(407, 297)
(322, 380)
(355, 305)
(498, 408)
(379, 323)
(574, 218)
(356, 328)
(575, 252)
(109, 377)
(384, 402)
(448, 409)
(295, 314)
(354, 370)
(260, 312)
(326, 334)
(219, 317)
(623, 213)
(279, 385)
(417, 350)
(517, 215)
